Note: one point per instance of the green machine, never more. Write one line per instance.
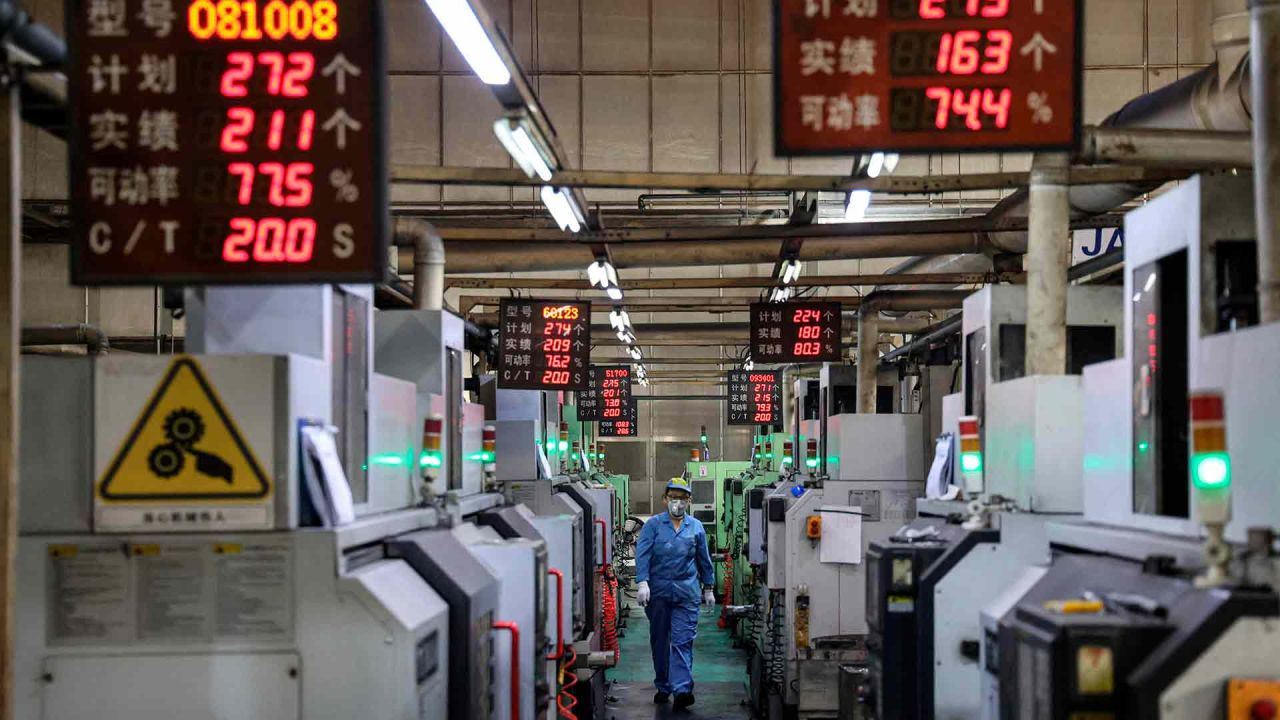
(582, 440)
(768, 457)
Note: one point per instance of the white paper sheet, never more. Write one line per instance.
(936, 485)
(336, 487)
(841, 535)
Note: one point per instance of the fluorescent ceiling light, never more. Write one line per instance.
(561, 209)
(626, 338)
(856, 209)
(891, 162)
(531, 152)
(876, 166)
(635, 353)
(619, 319)
(790, 271)
(502, 128)
(459, 20)
(614, 292)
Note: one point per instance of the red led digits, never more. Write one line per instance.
(971, 107)
(942, 9)
(270, 240)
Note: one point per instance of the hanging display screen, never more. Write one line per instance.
(755, 397)
(227, 141)
(798, 332)
(926, 75)
(544, 345)
(626, 425)
(607, 395)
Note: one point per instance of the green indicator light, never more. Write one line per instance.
(786, 461)
(1211, 470)
(1144, 446)
(768, 456)
(833, 460)
(387, 459)
(551, 446)
(811, 463)
(431, 459)
(971, 462)
(704, 439)
(564, 445)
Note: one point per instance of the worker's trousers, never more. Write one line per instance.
(673, 625)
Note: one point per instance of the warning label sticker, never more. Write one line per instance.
(184, 447)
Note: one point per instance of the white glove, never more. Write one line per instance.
(708, 598)
(642, 594)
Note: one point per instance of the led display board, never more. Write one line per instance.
(755, 397)
(607, 393)
(544, 345)
(625, 426)
(795, 332)
(217, 141)
(926, 75)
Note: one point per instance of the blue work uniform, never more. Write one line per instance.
(676, 565)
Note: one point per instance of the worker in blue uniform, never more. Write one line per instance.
(674, 572)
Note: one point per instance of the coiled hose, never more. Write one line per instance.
(752, 621)
(565, 701)
(609, 587)
(776, 656)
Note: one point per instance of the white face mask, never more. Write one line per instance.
(677, 507)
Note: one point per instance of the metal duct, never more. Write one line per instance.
(91, 336)
(428, 261)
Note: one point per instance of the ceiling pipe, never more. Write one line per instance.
(428, 261)
(91, 336)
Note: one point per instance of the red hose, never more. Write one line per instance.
(559, 576)
(565, 701)
(728, 591)
(609, 587)
(514, 629)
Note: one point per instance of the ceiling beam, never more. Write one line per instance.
(678, 283)
(407, 174)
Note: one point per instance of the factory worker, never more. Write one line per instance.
(674, 572)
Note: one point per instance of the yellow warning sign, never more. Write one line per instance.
(184, 446)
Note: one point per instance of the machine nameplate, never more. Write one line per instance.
(869, 501)
(114, 593)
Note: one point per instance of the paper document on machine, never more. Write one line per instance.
(841, 535)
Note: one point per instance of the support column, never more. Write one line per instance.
(868, 358)
(10, 353)
(1265, 58)
(1047, 265)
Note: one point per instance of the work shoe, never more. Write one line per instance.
(683, 700)
(660, 698)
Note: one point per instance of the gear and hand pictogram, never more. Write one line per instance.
(184, 427)
(166, 461)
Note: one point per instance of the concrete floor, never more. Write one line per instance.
(719, 674)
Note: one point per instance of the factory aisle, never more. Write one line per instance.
(719, 674)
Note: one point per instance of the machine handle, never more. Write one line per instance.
(514, 629)
(559, 576)
(604, 540)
